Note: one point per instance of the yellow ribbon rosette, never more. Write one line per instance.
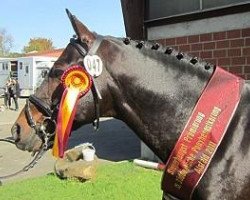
(77, 83)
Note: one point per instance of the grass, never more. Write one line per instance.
(120, 181)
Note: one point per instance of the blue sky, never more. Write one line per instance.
(25, 19)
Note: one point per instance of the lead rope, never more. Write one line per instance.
(43, 149)
(37, 156)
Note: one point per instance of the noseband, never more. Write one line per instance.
(41, 129)
(46, 129)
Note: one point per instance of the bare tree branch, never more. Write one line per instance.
(6, 42)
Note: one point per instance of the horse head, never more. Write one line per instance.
(36, 122)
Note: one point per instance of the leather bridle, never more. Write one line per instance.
(46, 129)
(41, 129)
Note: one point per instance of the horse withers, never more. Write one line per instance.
(154, 90)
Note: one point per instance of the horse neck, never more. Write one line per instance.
(155, 94)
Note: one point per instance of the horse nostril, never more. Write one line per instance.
(15, 131)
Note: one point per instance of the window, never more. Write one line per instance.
(4, 66)
(44, 73)
(20, 65)
(207, 4)
(167, 8)
(26, 69)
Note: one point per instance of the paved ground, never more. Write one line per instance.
(114, 141)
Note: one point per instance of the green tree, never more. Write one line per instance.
(6, 43)
(38, 44)
(15, 54)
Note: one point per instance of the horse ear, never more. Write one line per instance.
(80, 29)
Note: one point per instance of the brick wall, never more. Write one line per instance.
(228, 49)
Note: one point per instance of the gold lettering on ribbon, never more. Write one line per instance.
(173, 166)
(210, 148)
(181, 164)
(207, 129)
(194, 127)
(181, 175)
(202, 139)
(199, 154)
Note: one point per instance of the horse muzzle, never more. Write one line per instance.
(30, 142)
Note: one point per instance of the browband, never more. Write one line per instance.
(44, 107)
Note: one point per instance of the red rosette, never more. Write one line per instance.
(76, 77)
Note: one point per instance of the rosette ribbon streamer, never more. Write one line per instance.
(77, 83)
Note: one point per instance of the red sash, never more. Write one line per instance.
(202, 134)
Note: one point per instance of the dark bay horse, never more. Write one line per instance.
(153, 89)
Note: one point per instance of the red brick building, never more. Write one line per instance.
(216, 30)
